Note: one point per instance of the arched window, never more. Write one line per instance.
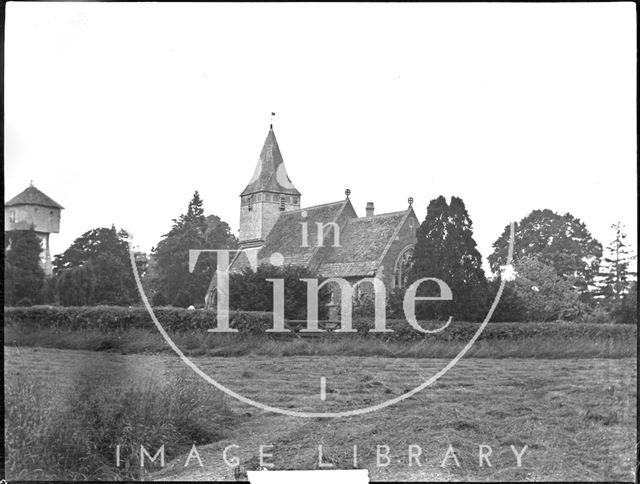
(250, 202)
(402, 266)
(282, 200)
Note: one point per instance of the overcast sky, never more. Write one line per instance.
(120, 111)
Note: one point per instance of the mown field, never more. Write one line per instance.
(577, 416)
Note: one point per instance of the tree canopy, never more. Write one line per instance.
(546, 295)
(96, 269)
(23, 274)
(445, 249)
(168, 274)
(616, 276)
(251, 291)
(561, 241)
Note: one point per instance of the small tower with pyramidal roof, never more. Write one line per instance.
(268, 193)
(33, 210)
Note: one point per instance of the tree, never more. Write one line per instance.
(49, 294)
(627, 311)
(561, 241)
(510, 307)
(616, 276)
(251, 291)
(469, 284)
(168, 270)
(77, 286)
(445, 249)
(23, 273)
(103, 254)
(545, 294)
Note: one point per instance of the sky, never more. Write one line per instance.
(120, 111)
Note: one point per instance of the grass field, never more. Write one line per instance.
(577, 416)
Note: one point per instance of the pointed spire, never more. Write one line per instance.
(270, 174)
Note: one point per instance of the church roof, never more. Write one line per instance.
(363, 243)
(32, 196)
(270, 174)
(286, 235)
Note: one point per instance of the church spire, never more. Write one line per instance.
(270, 174)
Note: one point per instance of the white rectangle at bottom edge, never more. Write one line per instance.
(336, 476)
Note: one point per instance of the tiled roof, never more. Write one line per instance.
(286, 236)
(32, 196)
(363, 242)
(270, 174)
(347, 269)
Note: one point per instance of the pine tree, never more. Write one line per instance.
(445, 249)
(429, 251)
(195, 212)
(468, 278)
(23, 274)
(168, 272)
(616, 275)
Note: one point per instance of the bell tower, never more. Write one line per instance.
(268, 193)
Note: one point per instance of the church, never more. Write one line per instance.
(329, 239)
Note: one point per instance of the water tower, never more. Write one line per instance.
(33, 210)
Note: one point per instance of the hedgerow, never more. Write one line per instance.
(117, 318)
(110, 319)
(463, 331)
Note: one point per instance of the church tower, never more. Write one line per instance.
(268, 193)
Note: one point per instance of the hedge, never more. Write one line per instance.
(464, 331)
(115, 318)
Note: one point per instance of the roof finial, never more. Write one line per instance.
(31, 183)
(410, 201)
(272, 116)
(347, 192)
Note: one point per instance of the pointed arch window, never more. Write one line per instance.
(402, 267)
(250, 203)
